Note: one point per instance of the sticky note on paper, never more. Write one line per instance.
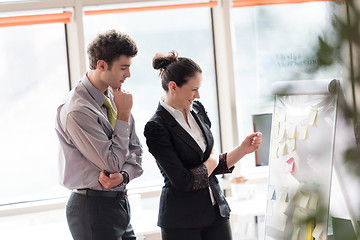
(271, 193)
(290, 160)
(275, 129)
(291, 130)
(282, 149)
(309, 230)
(282, 207)
(270, 238)
(305, 199)
(289, 211)
(282, 128)
(296, 233)
(284, 194)
(281, 115)
(276, 113)
(290, 144)
(313, 200)
(301, 199)
(303, 132)
(279, 221)
(291, 165)
(277, 152)
(299, 215)
(312, 116)
(318, 231)
(273, 197)
(297, 197)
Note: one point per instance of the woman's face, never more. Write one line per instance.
(184, 96)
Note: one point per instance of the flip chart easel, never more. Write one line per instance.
(301, 160)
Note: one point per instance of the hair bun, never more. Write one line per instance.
(161, 62)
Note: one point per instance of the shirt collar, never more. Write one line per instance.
(170, 109)
(97, 95)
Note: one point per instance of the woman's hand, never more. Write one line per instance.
(250, 144)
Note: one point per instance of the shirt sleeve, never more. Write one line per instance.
(159, 144)
(201, 179)
(89, 137)
(133, 163)
(222, 166)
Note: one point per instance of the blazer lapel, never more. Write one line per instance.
(204, 128)
(177, 129)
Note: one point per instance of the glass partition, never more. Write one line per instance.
(33, 80)
(277, 43)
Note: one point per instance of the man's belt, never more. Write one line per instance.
(98, 193)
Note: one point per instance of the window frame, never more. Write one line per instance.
(74, 32)
(223, 49)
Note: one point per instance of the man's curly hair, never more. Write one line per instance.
(109, 46)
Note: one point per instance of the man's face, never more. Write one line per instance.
(119, 71)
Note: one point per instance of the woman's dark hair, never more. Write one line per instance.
(109, 46)
(174, 68)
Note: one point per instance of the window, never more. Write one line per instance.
(276, 43)
(188, 31)
(33, 79)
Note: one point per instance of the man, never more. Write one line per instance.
(100, 151)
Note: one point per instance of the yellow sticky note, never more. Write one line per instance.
(313, 200)
(318, 231)
(281, 114)
(276, 113)
(290, 144)
(296, 198)
(305, 199)
(296, 233)
(312, 116)
(279, 221)
(299, 215)
(275, 129)
(282, 148)
(291, 130)
(309, 230)
(284, 195)
(275, 151)
(303, 132)
(282, 130)
(301, 199)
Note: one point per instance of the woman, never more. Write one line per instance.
(192, 205)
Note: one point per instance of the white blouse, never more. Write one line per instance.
(193, 129)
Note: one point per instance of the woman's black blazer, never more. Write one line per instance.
(185, 201)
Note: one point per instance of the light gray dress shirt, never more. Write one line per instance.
(88, 143)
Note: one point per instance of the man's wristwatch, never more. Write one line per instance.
(125, 178)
